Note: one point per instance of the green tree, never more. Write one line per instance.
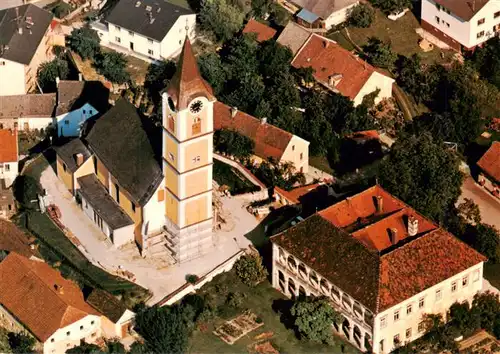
(392, 6)
(486, 306)
(49, 71)
(361, 16)
(85, 42)
(261, 7)
(159, 75)
(469, 211)
(487, 61)
(85, 348)
(273, 173)
(313, 317)
(419, 82)
(273, 58)
(61, 9)
(213, 70)
(316, 128)
(220, 18)
(379, 53)
(112, 65)
(422, 173)
(26, 190)
(114, 346)
(279, 15)
(21, 342)
(250, 270)
(486, 239)
(232, 143)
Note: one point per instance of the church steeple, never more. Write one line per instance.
(187, 82)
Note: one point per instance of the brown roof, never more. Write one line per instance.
(187, 82)
(293, 36)
(13, 239)
(39, 297)
(8, 146)
(262, 31)
(328, 59)
(490, 161)
(324, 8)
(465, 9)
(107, 304)
(295, 194)
(353, 251)
(270, 141)
(32, 105)
(72, 95)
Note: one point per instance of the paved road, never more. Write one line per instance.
(489, 205)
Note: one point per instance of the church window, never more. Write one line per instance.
(171, 123)
(196, 128)
(171, 104)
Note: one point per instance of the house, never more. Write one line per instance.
(148, 29)
(24, 45)
(27, 112)
(489, 164)
(36, 297)
(13, 239)
(115, 175)
(381, 263)
(319, 14)
(9, 156)
(78, 101)
(341, 71)
(270, 141)
(262, 31)
(116, 319)
(462, 24)
(7, 201)
(293, 36)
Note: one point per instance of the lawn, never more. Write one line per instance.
(321, 163)
(260, 300)
(401, 34)
(226, 175)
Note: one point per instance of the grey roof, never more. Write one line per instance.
(72, 95)
(106, 304)
(324, 8)
(21, 45)
(68, 152)
(151, 18)
(98, 197)
(130, 148)
(293, 36)
(33, 105)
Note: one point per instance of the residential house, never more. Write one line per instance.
(7, 201)
(9, 156)
(149, 29)
(407, 265)
(489, 164)
(78, 101)
(270, 141)
(27, 112)
(36, 297)
(462, 24)
(341, 71)
(25, 44)
(261, 31)
(319, 14)
(293, 36)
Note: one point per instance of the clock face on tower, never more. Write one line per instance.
(196, 106)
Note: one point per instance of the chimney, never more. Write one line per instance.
(263, 120)
(393, 235)
(379, 204)
(326, 44)
(80, 77)
(412, 226)
(331, 81)
(79, 159)
(59, 289)
(57, 81)
(234, 110)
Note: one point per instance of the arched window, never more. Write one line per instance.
(335, 294)
(302, 271)
(281, 255)
(292, 264)
(196, 127)
(171, 123)
(325, 287)
(313, 279)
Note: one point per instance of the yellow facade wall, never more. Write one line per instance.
(171, 180)
(66, 177)
(172, 208)
(102, 173)
(200, 148)
(86, 168)
(171, 151)
(125, 202)
(197, 183)
(196, 210)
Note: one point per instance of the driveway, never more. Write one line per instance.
(488, 204)
(157, 275)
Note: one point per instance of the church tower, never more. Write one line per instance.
(187, 159)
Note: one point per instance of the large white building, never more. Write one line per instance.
(462, 24)
(148, 29)
(382, 265)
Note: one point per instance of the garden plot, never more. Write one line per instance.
(234, 329)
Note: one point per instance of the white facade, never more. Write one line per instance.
(12, 78)
(297, 152)
(87, 329)
(69, 124)
(374, 82)
(8, 172)
(339, 16)
(153, 213)
(32, 123)
(362, 327)
(481, 27)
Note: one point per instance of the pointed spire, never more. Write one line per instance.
(187, 82)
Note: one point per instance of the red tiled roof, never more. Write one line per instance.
(262, 31)
(365, 135)
(14, 240)
(270, 141)
(328, 59)
(490, 161)
(39, 297)
(8, 145)
(349, 244)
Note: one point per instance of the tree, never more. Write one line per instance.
(361, 16)
(469, 211)
(112, 66)
(159, 75)
(261, 7)
(273, 58)
(220, 18)
(379, 53)
(85, 42)
(26, 189)
(61, 9)
(250, 270)
(212, 69)
(486, 239)
(86, 348)
(487, 61)
(392, 6)
(232, 143)
(313, 317)
(274, 173)
(486, 306)
(114, 346)
(21, 342)
(422, 173)
(48, 72)
(279, 15)
(420, 83)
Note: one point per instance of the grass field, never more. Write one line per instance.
(260, 300)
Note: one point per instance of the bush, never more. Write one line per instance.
(379, 53)
(235, 300)
(250, 270)
(49, 71)
(26, 190)
(61, 9)
(192, 278)
(85, 42)
(112, 66)
(232, 143)
(361, 16)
